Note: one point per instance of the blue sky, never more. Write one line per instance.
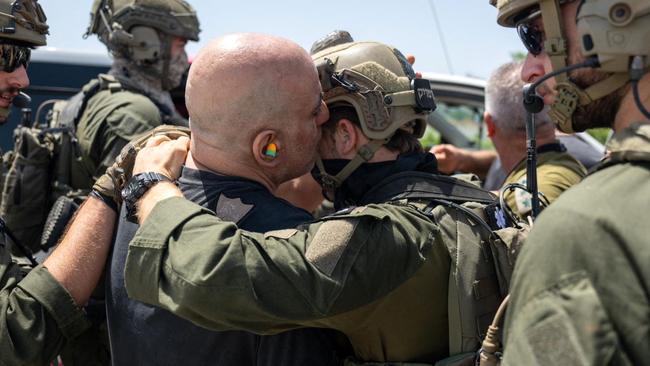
(476, 44)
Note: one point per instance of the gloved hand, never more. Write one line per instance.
(108, 186)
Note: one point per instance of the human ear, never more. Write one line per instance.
(267, 149)
(489, 123)
(346, 138)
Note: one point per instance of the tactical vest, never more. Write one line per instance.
(479, 275)
(39, 171)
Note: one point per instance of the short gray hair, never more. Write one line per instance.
(504, 99)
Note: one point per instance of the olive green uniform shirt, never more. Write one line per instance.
(580, 292)
(379, 274)
(37, 315)
(556, 172)
(112, 117)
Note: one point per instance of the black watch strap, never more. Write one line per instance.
(137, 186)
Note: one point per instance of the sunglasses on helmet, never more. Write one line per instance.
(532, 37)
(12, 57)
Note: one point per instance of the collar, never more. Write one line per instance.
(556, 146)
(369, 175)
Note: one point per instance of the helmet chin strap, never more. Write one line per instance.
(365, 153)
(569, 95)
(555, 45)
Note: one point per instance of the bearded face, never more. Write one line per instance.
(601, 112)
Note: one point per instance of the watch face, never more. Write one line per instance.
(126, 191)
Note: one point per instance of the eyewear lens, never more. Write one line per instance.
(12, 57)
(532, 38)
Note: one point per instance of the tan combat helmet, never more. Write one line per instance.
(379, 83)
(333, 38)
(613, 33)
(22, 27)
(22, 22)
(142, 30)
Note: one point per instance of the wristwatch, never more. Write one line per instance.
(137, 186)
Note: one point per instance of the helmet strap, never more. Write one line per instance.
(570, 96)
(365, 153)
(555, 45)
(166, 59)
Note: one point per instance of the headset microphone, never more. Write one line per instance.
(22, 101)
(534, 103)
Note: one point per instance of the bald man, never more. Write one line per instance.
(255, 108)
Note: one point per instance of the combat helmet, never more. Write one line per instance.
(333, 38)
(23, 25)
(612, 34)
(22, 22)
(379, 83)
(142, 30)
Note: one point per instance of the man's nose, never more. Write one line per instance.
(532, 69)
(18, 78)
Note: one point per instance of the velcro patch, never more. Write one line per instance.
(232, 209)
(280, 234)
(523, 199)
(328, 244)
(554, 342)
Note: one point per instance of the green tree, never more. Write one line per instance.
(518, 56)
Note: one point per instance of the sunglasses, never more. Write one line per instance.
(12, 57)
(532, 37)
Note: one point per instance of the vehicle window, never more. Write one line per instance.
(457, 124)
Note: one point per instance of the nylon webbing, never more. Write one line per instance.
(605, 87)
(365, 153)
(555, 45)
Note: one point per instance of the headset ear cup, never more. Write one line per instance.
(145, 44)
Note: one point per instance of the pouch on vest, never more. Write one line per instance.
(26, 191)
(39, 173)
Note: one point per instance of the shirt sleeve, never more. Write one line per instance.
(220, 277)
(36, 315)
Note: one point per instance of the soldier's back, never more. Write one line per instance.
(111, 118)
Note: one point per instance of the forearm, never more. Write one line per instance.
(477, 162)
(186, 260)
(78, 261)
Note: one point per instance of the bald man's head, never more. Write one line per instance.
(242, 83)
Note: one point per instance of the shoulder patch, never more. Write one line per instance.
(232, 209)
(523, 198)
(280, 234)
(329, 243)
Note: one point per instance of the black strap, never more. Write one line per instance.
(428, 186)
(23, 249)
(553, 146)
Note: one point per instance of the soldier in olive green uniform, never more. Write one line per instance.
(505, 119)
(146, 39)
(39, 307)
(36, 312)
(557, 171)
(401, 274)
(580, 292)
